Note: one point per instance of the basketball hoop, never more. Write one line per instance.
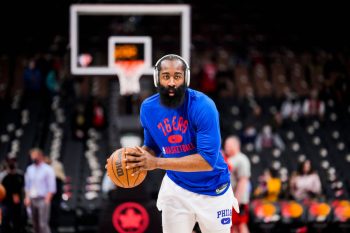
(129, 72)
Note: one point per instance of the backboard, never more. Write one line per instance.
(92, 27)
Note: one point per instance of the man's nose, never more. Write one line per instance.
(171, 82)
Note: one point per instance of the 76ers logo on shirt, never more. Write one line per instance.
(175, 124)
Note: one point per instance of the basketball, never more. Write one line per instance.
(117, 172)
(2, 192)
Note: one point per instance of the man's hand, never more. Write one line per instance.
(27, 201)
(48, 198)
(15, 198)
(140, 158)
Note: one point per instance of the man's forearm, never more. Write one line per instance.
(190, 163)
(241, 188)
(146, 160)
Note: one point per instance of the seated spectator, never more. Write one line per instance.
(291, 108)
(267, 139)
(269, 187)
(314, 106)
(306, 183)
(248, 135)
(98, 114)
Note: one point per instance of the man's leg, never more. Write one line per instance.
(214, 213)
(176, 214)
(35, 215)
(44, 215)
(175, 220)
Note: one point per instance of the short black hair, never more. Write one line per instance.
(37, 149)
(171, 58)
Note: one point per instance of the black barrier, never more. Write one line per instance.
(130, 211)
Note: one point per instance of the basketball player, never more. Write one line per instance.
(182, 136)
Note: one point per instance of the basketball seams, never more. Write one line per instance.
(126, 170)
(137, 178)
(114, 173)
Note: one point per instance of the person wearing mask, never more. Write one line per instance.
(40, 186)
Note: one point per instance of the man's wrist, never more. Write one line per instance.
(158, 163)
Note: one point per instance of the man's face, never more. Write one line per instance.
(172, 86)
(36, 157)
(231, 147)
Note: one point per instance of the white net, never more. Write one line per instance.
(129, 75)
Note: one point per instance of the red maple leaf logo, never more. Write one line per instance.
(130, 219)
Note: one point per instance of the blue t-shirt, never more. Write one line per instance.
(191, 128)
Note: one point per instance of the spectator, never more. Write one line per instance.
(269, 187)
(13, 219)
(98, 114)
(208, 82)
(240, 179)
(306, 183)
(32, 78)
(268, 140)
(248, 135)
(314, 106)
(40, 186)
(52, 83)
(291, 108)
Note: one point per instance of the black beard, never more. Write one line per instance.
(172, 101)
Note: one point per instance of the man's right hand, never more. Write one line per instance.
(27, 201)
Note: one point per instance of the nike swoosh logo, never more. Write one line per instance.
(225, 221)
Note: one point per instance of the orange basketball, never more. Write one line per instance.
(2, 192)
(119, 174)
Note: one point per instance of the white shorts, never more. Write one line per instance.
(181, 209)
